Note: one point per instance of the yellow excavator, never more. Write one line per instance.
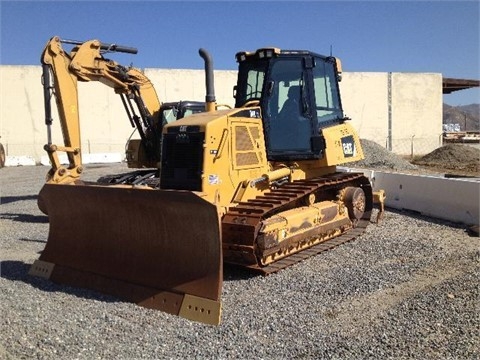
(255, 186)
(85, 63)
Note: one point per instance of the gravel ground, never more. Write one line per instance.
(406, 289)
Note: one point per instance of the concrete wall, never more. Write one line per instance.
(400, 111)
(178, 84)
(365, 101)
(416, 112)
(21, 110)
(397, 110)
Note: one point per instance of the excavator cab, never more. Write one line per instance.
(173, 111)
(137, 154)
(298, 95)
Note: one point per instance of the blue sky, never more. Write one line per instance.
(397, 36)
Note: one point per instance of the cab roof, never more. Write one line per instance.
(269, 52)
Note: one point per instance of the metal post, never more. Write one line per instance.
(411, 147)
(389, 85)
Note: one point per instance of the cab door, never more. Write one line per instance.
(287, 100)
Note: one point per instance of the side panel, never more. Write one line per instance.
(231, 152)
(342, 145)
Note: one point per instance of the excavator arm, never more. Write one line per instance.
(85, 62)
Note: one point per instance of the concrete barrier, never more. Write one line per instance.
(456, 200)
(96, 158)
(19, 160)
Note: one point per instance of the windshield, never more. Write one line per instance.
(169, 115)
(251, 76)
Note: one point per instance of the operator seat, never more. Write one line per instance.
(291, 130)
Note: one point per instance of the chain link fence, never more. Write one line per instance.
(411, 147)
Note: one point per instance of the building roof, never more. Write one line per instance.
(450, 85)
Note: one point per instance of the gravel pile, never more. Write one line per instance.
(377, 157)
(406, 289)
(454, 157)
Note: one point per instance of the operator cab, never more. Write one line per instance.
(173, 111)
(298, 94)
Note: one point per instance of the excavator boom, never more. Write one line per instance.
(63, 70)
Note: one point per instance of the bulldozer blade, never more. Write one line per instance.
(161, 249)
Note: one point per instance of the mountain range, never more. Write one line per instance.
(466, 116)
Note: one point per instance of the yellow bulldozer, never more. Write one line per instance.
(255, 186)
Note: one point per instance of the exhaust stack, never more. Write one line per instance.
(210, 101)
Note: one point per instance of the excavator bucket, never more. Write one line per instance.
(158, 248)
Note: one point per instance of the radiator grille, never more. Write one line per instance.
(182, 161)
(246, 152)
(244, 143)
(244, 159)
(255, 133)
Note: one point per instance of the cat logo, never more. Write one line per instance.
(348, 145)
(183, 128)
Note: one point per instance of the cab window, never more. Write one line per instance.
(169, 115)
(327, 101)
(251, 76)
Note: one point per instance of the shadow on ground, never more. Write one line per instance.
(18, 271)
(10, 199)
(25, 218)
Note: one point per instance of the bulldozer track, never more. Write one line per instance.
(241, 224)
(316, 249)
